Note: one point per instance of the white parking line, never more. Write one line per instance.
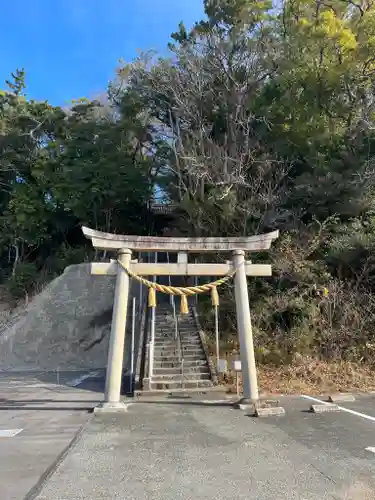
(9, 433)
(347, 410)
(79, 380)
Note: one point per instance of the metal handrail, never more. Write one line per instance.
(144, 337)
(151, 348)
(177, 332)
(181, 358)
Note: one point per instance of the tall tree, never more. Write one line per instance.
(266, 112)
(60, 169)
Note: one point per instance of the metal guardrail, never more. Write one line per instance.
(180, 351)
(141, 338)
(151, 351)
(177, 333)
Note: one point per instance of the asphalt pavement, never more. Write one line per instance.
(53, 448)
(39, 419)
(195, 450)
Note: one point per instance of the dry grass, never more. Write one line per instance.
(312, 377)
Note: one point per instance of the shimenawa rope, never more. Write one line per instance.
(182, 291)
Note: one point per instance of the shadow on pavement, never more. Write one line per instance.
(91, 384)
(48, 408)
(71, 379)
(9, 402)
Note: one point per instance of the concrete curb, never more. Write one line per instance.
(341, 398)
(324, 408)
(111, 408)
(276, 411)
(262, 408)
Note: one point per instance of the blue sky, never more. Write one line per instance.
(70, 48)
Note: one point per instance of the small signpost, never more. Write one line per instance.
(237, 365)
(222, 366)
(237, 369)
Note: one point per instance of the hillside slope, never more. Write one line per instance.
(65, 326)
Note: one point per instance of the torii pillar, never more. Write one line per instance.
(124, 245)
(118, 327)
(245, 331)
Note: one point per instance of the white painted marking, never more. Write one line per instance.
(9, 433)
(347, 410)
(371, 448)
(79, 380)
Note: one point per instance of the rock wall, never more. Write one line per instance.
(66, 326)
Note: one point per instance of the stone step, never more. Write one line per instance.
(176, 363)
(181, 322)
(187, 370)
(177, 377)
(191, 338)
(187, 328)
(172, 331)
(170, 321)
(161, 321)
(194, 349)
(187, 349)
(176, 370)
(167, 356)
(167, 328)
(162, 313)
(192, 341)
(184, 343)
(173, 358)
(192, 335)
(169, 351)
(187, 384)
(182, 391)
(171, 336)
(168, 342)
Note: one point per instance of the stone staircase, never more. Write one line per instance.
(178, 369)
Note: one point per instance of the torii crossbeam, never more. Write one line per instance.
(124, 245)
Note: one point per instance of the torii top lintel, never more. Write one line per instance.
(109, 241)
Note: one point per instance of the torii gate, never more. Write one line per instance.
(124, 245)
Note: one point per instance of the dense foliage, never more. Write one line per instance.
(63, 168)
(262, 118)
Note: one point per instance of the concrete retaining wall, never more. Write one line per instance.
(66, 326)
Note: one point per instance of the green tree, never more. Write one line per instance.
(60, 169)
(99, 171)
(267, 118)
